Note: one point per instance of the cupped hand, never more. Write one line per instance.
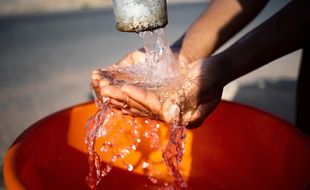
(98, 79)
(205, 93)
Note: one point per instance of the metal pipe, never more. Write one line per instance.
(140, 15)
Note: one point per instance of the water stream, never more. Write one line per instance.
(159, 74)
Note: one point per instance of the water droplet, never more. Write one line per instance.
(145, 165)
(125, 151)
(129, 167)
(146, 135)
(103, 149)
(135, 131)
(106, 100)
(153, 179)
(113, 158)
(133, 147)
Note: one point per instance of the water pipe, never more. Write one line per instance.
(140, 15)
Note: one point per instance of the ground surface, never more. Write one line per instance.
(46, 59)
(13, 7)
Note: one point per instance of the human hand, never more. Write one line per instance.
(203, 95)
(98, 79)
(206, 76)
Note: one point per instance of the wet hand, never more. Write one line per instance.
(205, 94)
(98, 80)
(206, 75)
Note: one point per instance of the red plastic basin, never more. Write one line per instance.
(237, 148)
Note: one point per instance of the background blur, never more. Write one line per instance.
(48, 49)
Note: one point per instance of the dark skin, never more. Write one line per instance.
(283, 33)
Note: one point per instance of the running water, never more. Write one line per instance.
(158, 64)
(160, 74)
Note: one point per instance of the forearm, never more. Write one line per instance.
(221, 20)
(283, 33)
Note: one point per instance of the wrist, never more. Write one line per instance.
(221, 70)
(188, 50)
(178, 50)
(239, 59)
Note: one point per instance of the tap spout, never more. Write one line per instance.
(140, 15)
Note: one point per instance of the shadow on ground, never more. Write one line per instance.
(277, 97)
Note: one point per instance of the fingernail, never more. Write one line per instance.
(94, 83)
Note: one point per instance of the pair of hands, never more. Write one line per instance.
(205, 93)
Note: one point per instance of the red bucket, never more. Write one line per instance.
(237, 148)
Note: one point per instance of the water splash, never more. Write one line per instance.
(174, 152)
(117, 135)
(161, 74)
(158, 64)
(96, 169)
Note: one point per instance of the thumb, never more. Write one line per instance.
(201, 113)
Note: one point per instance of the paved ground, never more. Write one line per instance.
(13, 7)
(45, 64)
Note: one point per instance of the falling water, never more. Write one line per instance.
(160, 74)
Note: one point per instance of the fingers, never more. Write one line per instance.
(135, 112)
(201, 113)
(144, 97)
(198, 117)
(98, 81)
(170, 112)
(134, 57)
(95, 77)
(103, 88)
(138, 57)
(122, 101)
(113, 92)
